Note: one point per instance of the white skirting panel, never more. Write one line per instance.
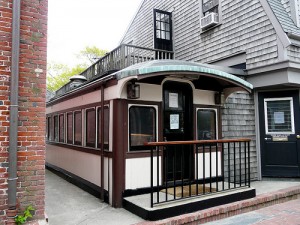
(207, 165)
(84, 165)
(138, 173)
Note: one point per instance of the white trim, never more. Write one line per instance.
(156, 122)
(292, 114)
(217, 127)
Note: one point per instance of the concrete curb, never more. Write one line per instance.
(235, 208)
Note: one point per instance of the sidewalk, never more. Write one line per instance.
(287, 213)
(66, 204)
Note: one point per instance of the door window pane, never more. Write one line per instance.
(279, 116)
(142, 126)
(70, 128)
(91, 127)
(105, 129)
(206, 124)
(77, 128)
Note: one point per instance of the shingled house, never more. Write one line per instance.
(186, 73)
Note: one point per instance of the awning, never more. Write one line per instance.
(193, 71)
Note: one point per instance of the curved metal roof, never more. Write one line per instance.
(160, 66)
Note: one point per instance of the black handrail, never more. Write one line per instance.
(225, 166)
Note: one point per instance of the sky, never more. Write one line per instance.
(75, 24)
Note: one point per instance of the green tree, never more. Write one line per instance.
(91, 54)
(59, 74)
(62, 75)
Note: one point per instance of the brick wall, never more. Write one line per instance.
(32, 90)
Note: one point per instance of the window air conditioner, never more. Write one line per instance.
(209, 20)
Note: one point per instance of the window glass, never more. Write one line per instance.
(142, 126)
(206, 124)
(49, 125)
(77, 128)
(279, 116)
(70, 128)
(163, 25)
(55, 129)
(61, 128)
(91, 127)
(106, 128)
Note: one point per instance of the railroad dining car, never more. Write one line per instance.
(97, 129)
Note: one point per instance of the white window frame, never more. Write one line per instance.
(217, 124)
(156, 122)
(292, 114)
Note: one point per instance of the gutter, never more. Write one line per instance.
(14, 92)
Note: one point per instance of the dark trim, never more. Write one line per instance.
(77, 181)
(189, 207)
(76, 148)
(119, 145)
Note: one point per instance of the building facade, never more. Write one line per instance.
(260, 37)
(23, 45)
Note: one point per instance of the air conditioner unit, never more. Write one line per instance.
(209, 20)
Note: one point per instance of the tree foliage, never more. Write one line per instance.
(91, 53)
(59, 74)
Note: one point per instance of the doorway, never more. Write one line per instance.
(279, 133)
(178, 126)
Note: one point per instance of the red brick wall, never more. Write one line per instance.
(32, 91)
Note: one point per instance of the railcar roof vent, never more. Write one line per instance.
(77, 80)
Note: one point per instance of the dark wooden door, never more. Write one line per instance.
(178, 126)
(279, 133)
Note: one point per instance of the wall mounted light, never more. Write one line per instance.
(219, 98)
(133, 90)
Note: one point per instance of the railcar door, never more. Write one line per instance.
(280, 133)
(178, 126)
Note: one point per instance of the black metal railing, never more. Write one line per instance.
(123, 56)
(186, 169)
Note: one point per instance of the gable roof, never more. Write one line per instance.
(283, 17)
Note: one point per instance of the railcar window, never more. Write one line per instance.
(49, 128)
(206, 124)
(70, 128)
(90, 127)
(105, 128)
(77, 128)
(62, 128)
(142, 126)
(55, 129)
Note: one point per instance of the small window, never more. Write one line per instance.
(77, 128)
(70, 128)
(105, 128)
(91, 127)
(49, 128)
(279, 116)
(206, 124)
(55, 137)
(142, 126)
(62, 128)
(209, 6)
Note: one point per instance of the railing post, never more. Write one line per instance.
(151, 177)
(248, 143)
(122, 59)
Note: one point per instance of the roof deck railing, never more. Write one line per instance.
(123, 56)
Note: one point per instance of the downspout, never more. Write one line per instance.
(13, 110)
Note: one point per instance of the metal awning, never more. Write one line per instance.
(193, 70)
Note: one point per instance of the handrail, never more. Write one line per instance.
(164, 143)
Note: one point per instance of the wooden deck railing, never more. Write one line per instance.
(212, 166)
(123, 56)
